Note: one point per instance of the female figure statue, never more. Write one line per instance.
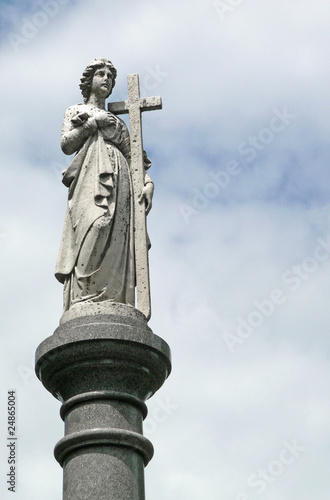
(96, 258)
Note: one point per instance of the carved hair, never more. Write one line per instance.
(88, 74)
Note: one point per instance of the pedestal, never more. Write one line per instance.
(103, 367)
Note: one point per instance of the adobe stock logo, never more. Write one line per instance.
(261, 479)
(249, 149)
(160, 413)
(152, 78)
(292, 279)
(35, 22)
(225, 7)
(277, 124)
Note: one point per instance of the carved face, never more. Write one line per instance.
(102, 82)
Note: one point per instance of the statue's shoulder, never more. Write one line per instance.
(76, 108)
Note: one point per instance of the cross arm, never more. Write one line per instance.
(146, 104)
(118, 108)
(151, 103)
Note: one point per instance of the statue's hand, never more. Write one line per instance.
(79, 119)
(146, 195)
(105, 119)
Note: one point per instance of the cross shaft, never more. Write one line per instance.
(134, 106)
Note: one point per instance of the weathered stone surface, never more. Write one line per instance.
(104, 249)
(96, 308)
(103, 368)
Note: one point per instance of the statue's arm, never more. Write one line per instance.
(148, 188)
(77, 127)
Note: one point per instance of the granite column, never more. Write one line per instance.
(103, 367)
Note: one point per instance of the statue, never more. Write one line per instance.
(98, 253)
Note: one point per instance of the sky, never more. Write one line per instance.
(240, 230)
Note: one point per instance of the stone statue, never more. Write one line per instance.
(97, 258)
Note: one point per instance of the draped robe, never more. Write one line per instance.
(96, 258)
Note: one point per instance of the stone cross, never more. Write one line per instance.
(134, 107)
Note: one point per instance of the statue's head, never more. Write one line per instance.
(88, 74)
